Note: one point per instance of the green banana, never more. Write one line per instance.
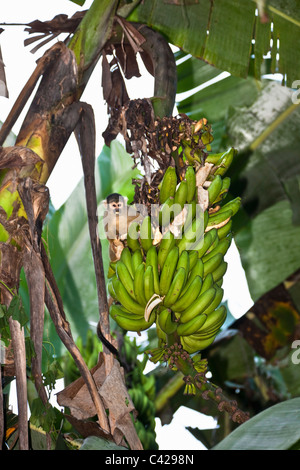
(125, 299)
(193, 257)
(120, 310)
(175, 288)
(127, 322)
(168, 270)
(203, 244)
(132, 236)
(225, 230)
(213, 157)
(214, 189)
(214, 321)
(216, 302)
(190, 327)
(165, 321)
(152, 260)
(148, 283)
(225, 161)
(166, 244)
(198, 306)
(146, 233)
(110, 289)
(212, 264)
(191, 213)
(192, 235)
(190, 178)
(189, 296)
(232, 205)
(166, 212)
(191, 344)
(214, 241)
(219, 217)
(208, 282)
(138, 285)
(180, 197)
(184, 262)
(136, 260)
(225, 188)
(168, 184)
(196, 271)
(221, 248)
(126, 259)
(125, 278)
(111, 272)
(220, 271)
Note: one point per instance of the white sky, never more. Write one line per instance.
(20, 64)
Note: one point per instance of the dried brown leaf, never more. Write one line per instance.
(116, 399)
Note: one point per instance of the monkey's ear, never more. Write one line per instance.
(125, 199)
(104, 202)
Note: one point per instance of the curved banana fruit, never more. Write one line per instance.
(212, 263)
(175, 287)
(180, 197)
(189, 296)
(138, 285)
(225, 230)
(192, 326)
(190, 177)
(225, 161)
(136, 260)
(152, 260)
(128, 322)
(221, 248)
(166, 212)
(219, 217)
(148, 283)
(165, 321)
(216, 302)
(233, 205)
(146, 233)
(198, 306)
(214, 189)
(125, 278)
(126, 259)
(193, 258)
(220, 271)
(192, 344)
(208, 282)
(168, 270)
(213, 322)
(168, 184)
(125, 299)
(133, 236)
(166, 244)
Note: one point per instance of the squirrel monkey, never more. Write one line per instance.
(117, 220)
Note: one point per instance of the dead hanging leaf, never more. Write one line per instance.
(116, 399)
(52, 28)
(17, 157)
(114, 88)
(127, 60)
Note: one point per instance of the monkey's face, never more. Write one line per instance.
(117, 207)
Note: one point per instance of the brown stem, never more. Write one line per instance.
(18, 341)
(75, 353)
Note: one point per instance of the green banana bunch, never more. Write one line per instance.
(176, 283)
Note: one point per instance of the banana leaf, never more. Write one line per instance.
(276, 428)
(226, 33)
